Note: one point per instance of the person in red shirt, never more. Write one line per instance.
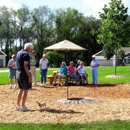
(72, 72)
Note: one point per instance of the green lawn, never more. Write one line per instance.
(102, 73)
(110, 125)
(121, 70)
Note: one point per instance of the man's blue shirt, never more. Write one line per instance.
(22, 56)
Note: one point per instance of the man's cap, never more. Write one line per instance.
(13, 55)
(33, 51)
(79, 60)
(93, 56)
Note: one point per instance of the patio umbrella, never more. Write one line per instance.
(65, 45)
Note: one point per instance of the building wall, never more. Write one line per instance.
(2, 61)
(104, 62)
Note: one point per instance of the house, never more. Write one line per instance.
(104, 62)
(2, 59)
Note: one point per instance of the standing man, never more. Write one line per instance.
(23, 75)
(43, 65)
(94, 67)
(12, 70)
(33, 66)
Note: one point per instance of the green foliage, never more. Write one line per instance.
(108, 51)
(54, 58)
(67, 23)
(121, 54)
(23, 31)
(73, 26)
(44, 27)
(7, 16)
(115, 29)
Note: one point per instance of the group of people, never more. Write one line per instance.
(78, 72)
(43, 65)
(23, 67)
(73, 72)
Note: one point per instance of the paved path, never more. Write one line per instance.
(2, 71)
(7, 70)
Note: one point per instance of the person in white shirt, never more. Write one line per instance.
(43, 65)
(33, 66)
(82, 72)
(94, 67)
(12, 70)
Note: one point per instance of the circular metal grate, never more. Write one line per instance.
(79, 100)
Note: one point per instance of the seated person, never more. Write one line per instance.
(78, 63)
(82, 72)
(72, 72)
(62, 74)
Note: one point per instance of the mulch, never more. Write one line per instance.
(114, 104)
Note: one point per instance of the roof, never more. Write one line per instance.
(126, 49)
(2, 53)
(100, 53)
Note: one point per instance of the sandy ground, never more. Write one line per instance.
(114, 104)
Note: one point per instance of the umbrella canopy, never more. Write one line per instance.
(64, 45)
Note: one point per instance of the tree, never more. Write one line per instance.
(115, 30)
(106, 53)
(87, 38)
(67, 25)
(121, 54)
(7, 16)
(24, 29)
(54, 58)
(73, 26)
(42, 19)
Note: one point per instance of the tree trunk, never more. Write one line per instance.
(115, 63)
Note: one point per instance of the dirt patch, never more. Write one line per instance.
(115, 104)
(115, 76)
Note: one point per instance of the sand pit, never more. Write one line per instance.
(114, 104)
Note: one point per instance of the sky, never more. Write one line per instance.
(87, 7)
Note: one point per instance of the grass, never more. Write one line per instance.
(102, 73)
(110, 125)
(105, 71)
(121, 70)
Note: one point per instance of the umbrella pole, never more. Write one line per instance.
(67, 92)
(66, 56)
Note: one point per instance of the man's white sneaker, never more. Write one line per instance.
(15, 86)
(41, 84)
(10, 86)
(17, 108)
(24, 108)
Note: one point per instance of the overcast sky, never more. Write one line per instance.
(87, 7)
